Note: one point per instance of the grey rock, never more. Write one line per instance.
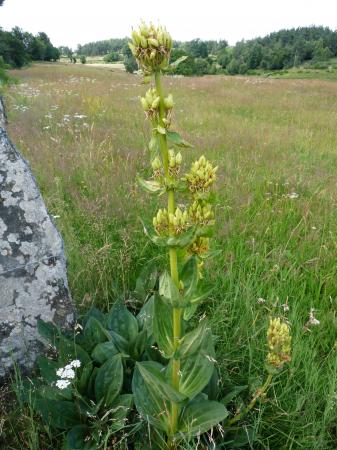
(33, 277)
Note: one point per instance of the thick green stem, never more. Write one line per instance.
(177, 312)
(258, 394)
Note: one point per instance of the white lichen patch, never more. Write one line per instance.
(33, 281)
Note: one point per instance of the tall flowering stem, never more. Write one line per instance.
(177, 312)
(171, 396)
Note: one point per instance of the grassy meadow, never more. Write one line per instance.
(84, 133)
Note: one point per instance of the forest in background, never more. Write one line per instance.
(313, 46)
(279, 50)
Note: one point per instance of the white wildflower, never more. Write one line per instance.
(285, 307)
(312, 318)
(261, 300)
(293, 195)
(66, 372)
(62, 384)
(76, 363)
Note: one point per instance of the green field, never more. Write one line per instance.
(84, 133)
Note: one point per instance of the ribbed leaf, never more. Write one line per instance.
(109, 380)
(148, 401)
(163, 327)
(192, 341)
(121, 321)
(102, 352)
(154, 376)
(200, 416)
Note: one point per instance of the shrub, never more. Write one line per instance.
(112, 57)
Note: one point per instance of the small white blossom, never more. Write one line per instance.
(62, 384)
(312, 318)
(293, 195)
(66, 372)
(261, 300)
(76, 363)
(285, 307)
(59, 372)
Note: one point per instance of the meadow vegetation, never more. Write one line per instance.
(275, 144)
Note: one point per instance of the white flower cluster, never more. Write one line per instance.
(67, 373)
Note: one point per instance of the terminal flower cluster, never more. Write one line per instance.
(279, 342)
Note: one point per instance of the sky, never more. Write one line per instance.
(72, 22)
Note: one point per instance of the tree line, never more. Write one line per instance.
(279, 50)
(18, 48)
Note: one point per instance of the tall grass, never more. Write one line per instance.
(275, 141)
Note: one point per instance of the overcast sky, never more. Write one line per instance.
(70, 22)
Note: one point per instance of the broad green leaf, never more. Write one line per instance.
(77, 437)
(205, 231)
(84, 379)
(195, 299)
(94, 333)
(122, 321)
(189, 276)
(48, 331)
(163, 327)
(59, 414)
(178, 61)
(174, 138)
(168, 290)
(54, 393)
(192, 341)
(69, 350)
(197, 370)
(200, 416)
(189, 312)
(148, 401)
(146, 281)
(137, 346)
(109, 380)
(48, 368)
(212, 387)
(145, 316)
(103, 351)
(120, 409)
(121, 343)
(153, 374)
(151, 186)
(94, 312)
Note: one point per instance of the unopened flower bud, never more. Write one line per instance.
(168, 102)
(153, 42)
(179, 158)
(155, 103)
(144, 103)
(156, 164)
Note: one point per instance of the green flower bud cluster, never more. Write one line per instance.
(179, 221)
(279, 342)
(201, 176)
(175, 161)
(201, 213)
(199, 246)
(161, 222)
(151, 47)
(150, 103)
(156, 167)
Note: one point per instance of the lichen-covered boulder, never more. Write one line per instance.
(33, 279)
